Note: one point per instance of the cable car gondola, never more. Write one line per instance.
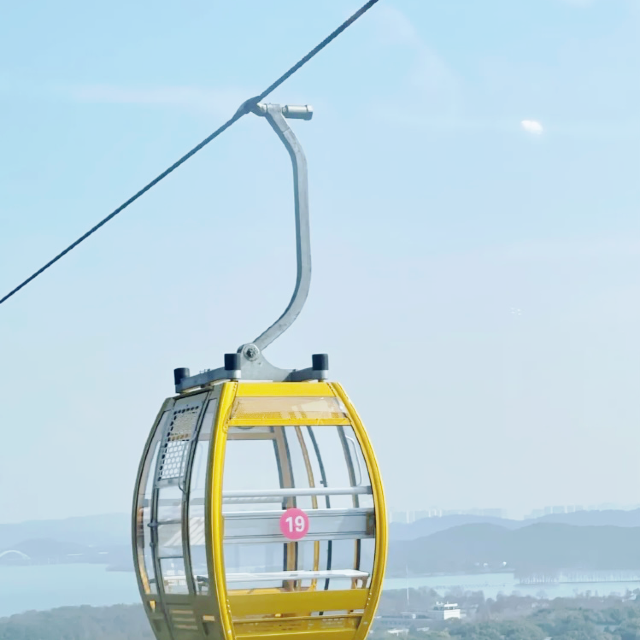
(259, 509)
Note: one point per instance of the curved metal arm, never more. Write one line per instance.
(275, 115)
(249, 363)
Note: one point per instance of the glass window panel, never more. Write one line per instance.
(276, 409)
(267, 558)
(199, 470)
(311, 560)
(169, 504)
(250, 465)
(197, 492)
(249, 429)
(146, 542)
(307, 433)
(317, 464)
(151, 573)
(199, 556)
(298, 461)
(308, 457)
(332, 454)
(207, 421)
(360, 466)
(367, 555)
(173, 576)
(301, 458)
(169, 540)
(343, 556)
(196, 517)
(253, 558)
(257, 557)
(362, 473)
(150, 468)
(144, 511)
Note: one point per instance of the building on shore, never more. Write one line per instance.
(399, 623)
(447, 611)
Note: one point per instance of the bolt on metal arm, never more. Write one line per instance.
(275, 115)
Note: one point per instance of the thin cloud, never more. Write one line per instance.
(429, 80)
(575, 249)
(219, 102)
(532, 126)
(394, 28)
(597, 131)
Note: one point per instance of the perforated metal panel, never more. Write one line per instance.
(175, 444)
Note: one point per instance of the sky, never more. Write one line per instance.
(474, 175)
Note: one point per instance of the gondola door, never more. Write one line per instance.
(169, 516)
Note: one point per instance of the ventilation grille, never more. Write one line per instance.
(176, 442)
(292, 625)
(183, 619)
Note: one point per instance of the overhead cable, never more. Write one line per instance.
(242, 111)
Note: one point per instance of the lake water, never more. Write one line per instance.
(47, 587)
(491, 584)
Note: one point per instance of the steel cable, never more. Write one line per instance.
(242, 111)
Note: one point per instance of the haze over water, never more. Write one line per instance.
(46, 587)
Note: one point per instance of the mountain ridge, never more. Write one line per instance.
(427, 526)
(539, 547)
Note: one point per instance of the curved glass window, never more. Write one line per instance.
(197, 494)
(319, 469)
(143, 511)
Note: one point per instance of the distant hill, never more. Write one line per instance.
(115, 529)
(80, 623)
(109, 529)
(39, 552)
(104, 539)
(607, 518)
(429, 526)
(47, 551)
(537, 547)
(586, 540)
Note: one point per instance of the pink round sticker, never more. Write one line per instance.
(294, 524)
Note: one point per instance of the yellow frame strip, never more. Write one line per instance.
(297, 601)
(227, 396)
(324, 634)
(231, 606)
(380, 557)
(280, 422)
(278, 389)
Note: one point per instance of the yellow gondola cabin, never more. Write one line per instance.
(259, 510)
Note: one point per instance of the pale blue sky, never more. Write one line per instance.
(434, 215)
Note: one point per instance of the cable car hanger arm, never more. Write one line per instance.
(248, 362)
(275, 115)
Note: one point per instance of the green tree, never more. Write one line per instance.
(629, 630)
(521, 630)
(481, 631)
